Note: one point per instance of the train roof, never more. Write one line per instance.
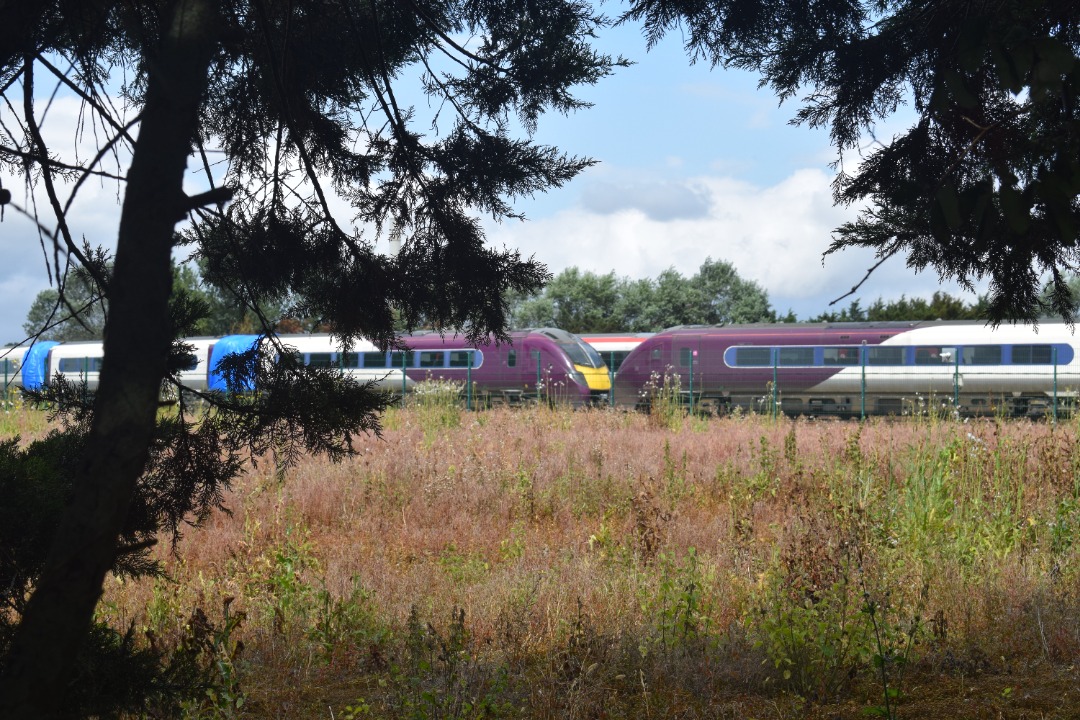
(773, 327)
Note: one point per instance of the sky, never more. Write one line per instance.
(693, 162)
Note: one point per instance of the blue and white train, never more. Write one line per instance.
(545, 362)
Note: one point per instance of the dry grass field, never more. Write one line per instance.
(555, 564)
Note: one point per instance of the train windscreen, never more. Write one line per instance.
(582, 354)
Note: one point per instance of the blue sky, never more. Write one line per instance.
(693, 162)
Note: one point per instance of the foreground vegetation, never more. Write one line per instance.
(553, 564)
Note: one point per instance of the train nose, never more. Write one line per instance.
(596, 379)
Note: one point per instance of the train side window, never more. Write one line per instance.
(511, 358)
(349, 360)
(753, 356)
(657, 354)
(685, 355)
(982, 355)
(432, 359)
(840, 356)
(934, 355)
(885, 356)
(799, 356)
(1032, 355)
(374, 360)
(397, 357)
(460, 358)
(320, 360)
(79, 365)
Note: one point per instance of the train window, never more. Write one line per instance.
(800, 356)
(657, 352)
(840, 356)
(753, 356)
(7, 366)
(349, 360)
(374, 360)
(188, 361)
(934, 355)
(321, 360)
(430, 359)
(460, 358)
(80, 365)
(885, 355)
(685, 356)
(982, 355)
(582, 354)
(511, 358)
(396, 358)
(1032, 355)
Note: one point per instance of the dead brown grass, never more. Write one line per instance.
(565, 540)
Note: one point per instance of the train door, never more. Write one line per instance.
(686, 362)
(535, 367)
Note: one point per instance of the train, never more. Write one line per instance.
(546, 363)
(841, 369)
(614, 347)
(857, 369)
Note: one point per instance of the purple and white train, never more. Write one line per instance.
(851, 369)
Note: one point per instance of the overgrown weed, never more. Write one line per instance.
(875, 563)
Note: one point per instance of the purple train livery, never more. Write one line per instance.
(849, 369)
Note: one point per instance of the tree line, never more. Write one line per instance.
(575, 300)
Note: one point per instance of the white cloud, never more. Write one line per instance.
(774, 235)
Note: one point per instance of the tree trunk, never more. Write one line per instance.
(137, 338)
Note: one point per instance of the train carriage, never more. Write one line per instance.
(613, 348)
(545, 362)
(11, 360)
(859, 368)
(77, 362)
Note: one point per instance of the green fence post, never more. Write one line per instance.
(404, 377)
(611, 379)
(692, 354)
(862, 384)
(1053, 352)
(468, 381)
(775, 380)
(956, 379)
(537, 376)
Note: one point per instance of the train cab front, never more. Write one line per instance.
(591, 374)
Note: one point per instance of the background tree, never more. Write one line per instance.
(728, 298)
(574, 301)
(941, 306)
(76, 313)
(302, 99)
(584, 302)
(985, 183)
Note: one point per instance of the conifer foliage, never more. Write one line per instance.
(287, 108)
(985, 182)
